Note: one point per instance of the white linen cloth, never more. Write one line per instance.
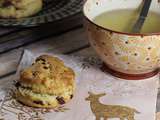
(91, 81)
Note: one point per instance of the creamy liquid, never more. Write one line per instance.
(123, 21)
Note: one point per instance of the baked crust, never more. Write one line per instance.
(16, 3)
(48, 75)
(19, 8)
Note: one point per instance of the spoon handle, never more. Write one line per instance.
(145, 8)
(144, 12)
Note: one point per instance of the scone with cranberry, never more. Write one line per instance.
(48, 83)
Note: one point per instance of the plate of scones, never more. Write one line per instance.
(35, 12)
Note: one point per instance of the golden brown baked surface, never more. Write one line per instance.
(48, 75)
(21, 3)
(19, 8)
(47, 81)
(16, 3)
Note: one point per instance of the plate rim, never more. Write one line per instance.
(75, 8)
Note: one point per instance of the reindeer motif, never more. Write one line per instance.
(109, 111)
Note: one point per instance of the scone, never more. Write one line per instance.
(21, 3)
(17, 3)
(48, 83)
(19, 8)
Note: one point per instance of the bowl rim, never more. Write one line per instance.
(114, 31)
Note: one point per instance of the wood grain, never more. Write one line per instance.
(60, 44)
(29, 35)
(5, 31)
(158, 102)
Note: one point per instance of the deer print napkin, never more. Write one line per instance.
(98, 96)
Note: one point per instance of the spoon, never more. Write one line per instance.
(144, 12)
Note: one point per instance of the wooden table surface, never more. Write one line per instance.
(64, 37)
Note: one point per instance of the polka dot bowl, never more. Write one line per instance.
(126, 55)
